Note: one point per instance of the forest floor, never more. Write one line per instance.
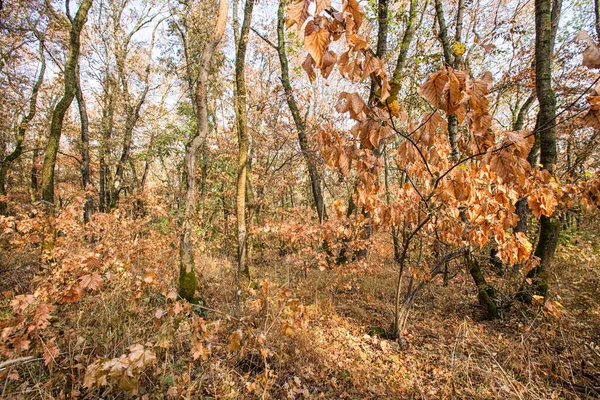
(294, 334)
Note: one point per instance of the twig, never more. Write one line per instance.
(19, 360)
(592, 349)
(265, 39)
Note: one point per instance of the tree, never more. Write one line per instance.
(70, 89)
(241, 113)
(313, 172)
(187, 273)
(549, 226)
(22, 128)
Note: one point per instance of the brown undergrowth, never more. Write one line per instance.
(99, 318)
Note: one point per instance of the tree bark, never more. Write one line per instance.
(409, 32)
(61, 108)
(243, 144)
(486, 293)
(187, 274)
(549, 226)
(22, 128)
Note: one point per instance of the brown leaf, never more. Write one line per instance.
(329, 60)
(297, 13)
(308, 66)
(316, 40)
(322, 5)
(91, 281)
(235, 341)
(344, 163)
(433, 88)
(591, 55)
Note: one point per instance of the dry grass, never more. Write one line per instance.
(310, 334)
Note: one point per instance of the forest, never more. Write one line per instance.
(298, 199)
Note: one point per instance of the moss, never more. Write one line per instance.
(187, 285)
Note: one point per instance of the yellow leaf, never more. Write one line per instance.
(459, 49)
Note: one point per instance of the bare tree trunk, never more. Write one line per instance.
(187, 273)
(313, 172)
(22, 128)
(243, 144)
(85, 149)
(61, 108)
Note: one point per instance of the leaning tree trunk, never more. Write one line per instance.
(22, 128)
(549, 226)
(187, 274)
(243, 144)
(70, 78)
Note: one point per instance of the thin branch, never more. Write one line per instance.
(265, 39)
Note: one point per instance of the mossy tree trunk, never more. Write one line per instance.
(70, 82)
(486, 293)
(546, 21)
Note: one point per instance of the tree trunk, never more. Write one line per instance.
(396, 81)
(449, 60)
(313, 172)
(187, 274)
(61, 108)
(133, 113)
(22, 128)
(107, 124)
(85, 148)
(549, 227)
(486, 293)
(243, 144)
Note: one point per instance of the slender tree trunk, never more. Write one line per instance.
(242, 129)
(85, 149)
(313, 172)
(409, 32)
(22, 128)
(64, 103)
(549, 226)
(449, 60)
(107, 124)
(187, 273)
(522, 209)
